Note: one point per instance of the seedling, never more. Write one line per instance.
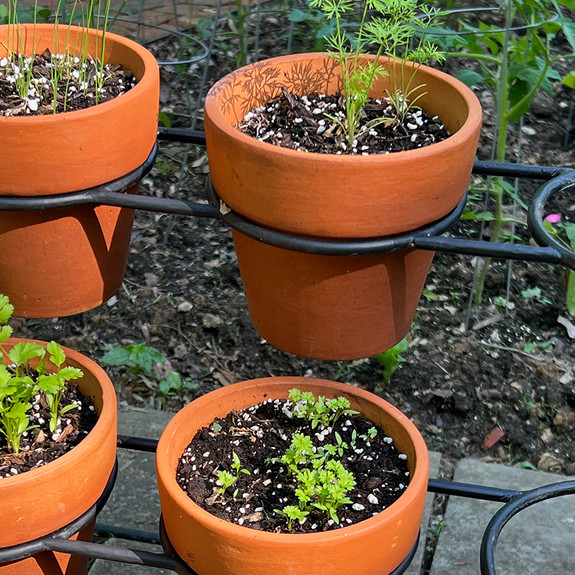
(391, 359)
(137, 358)
(396, 30)
(226, 480)
(292, 513)
(21, 380)
(320, 411)
(322, 481)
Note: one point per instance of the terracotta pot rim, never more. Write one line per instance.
(474, 115)
(142, 85)
(107, 414)
(420, 474)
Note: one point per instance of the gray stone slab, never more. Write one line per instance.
(540, 539)
(134, 502)
(415, 567)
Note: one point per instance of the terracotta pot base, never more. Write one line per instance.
(331, 307)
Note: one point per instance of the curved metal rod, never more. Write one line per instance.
(536, 214)
(111, 194)
(25, 550)
(327, 246)
(103, 194)
(509, 510)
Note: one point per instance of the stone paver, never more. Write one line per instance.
(539, 540)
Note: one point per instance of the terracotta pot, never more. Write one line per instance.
(325, 195)
(62, 262)
(213, 546)
(48, 498)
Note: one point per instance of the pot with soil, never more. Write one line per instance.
(58, 453)
(325, 306)
(363, 532)
(57, 262)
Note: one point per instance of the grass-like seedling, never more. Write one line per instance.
(392, 28)
(20, 382)
(87, 69)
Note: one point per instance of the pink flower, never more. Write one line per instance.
(553, 218)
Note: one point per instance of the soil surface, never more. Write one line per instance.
(57, 83)
(469, 368)
(267, 442)
(314, 123)
(40, 446)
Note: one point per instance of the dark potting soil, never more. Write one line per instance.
(76, 88)
(264, 432)
(306, 123)
(41, 446)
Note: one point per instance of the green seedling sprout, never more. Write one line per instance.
(320, 411)
(227, 479)
(391, 359)
(20, 380)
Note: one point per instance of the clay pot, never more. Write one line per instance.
(65, 261)
(325, 195)
(48, 498)
(213, 546)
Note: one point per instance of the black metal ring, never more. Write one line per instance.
(326, 246)
(536, 214)
(509, 510)
(25, 550)
(103, 194)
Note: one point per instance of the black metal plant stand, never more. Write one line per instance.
(429, 237)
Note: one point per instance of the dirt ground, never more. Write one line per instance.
(511, 368)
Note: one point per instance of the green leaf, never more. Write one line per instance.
(23, 352)
(5, 332)
(470, 77)
(69, 372)
(571, 292)
(569, 80)
(49, 383)
(57, 355)
(117, 356)
(6, 308)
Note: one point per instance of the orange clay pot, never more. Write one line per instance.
(48, 498)
(212, 546)
(332, 314)
(65, 261)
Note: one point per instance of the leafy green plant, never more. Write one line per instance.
(24, 373)
(227, 479)
(174, 385)
(391, 359)
(138, 358)
(322, 480)
(320, 411)
(515, 59)
(394, 28)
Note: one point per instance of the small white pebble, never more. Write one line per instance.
(372, 499)
(388, 440)
(357, 507)
(402, 456)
